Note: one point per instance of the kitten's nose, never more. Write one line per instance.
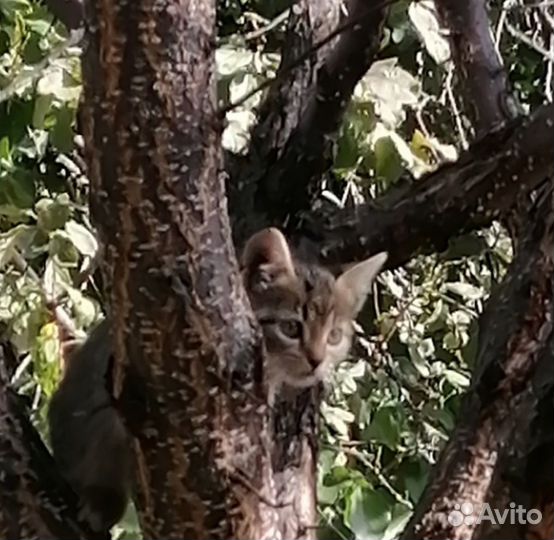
(314, 359)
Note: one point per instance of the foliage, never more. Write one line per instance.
(390, 409)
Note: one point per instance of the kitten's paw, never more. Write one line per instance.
(93, 518)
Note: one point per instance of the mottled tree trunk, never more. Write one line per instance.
(186, 344)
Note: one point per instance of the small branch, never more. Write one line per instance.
(255, 34)
(380, 476)
(546, 54)
(301, 114)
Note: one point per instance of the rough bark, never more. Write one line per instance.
(489, 102)
(514, 355)
(35, 503)
(186, 344)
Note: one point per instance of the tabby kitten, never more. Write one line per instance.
(306, 316)
(305, 313)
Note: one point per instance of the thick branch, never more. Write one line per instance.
(514, 353)
(484, 78)
(289, 148)
(29, 479)
(481, 186)
(521, 479)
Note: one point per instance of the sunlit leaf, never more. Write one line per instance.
(368, 513)
(81, 238)
(424, 18)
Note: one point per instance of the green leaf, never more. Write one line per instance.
(11, 7)
(81, 238)
(230, 59)
(46, 356)
(385, 427)
(414, 473)
(419, 362)
(388, 164)
(52, 214)
(401, 514)
(391, 88)
(368, 513)
(237, 133)
(56, 278)
(18, 189)
(338, 418)
(465, 290)
(5, 153)
(457, 379)
(42, 108)
(19, 237)
(62, 134)
(424, 18)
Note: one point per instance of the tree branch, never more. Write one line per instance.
(30, 479)
(188, 352)
(481, 186)
(69, 12)
(479, 64)
(515, 347)
(289, 152)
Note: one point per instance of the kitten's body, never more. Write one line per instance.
(89, 441)
(306, 316)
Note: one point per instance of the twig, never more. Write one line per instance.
(255, 34)
(455, 110)
(547, 55)
(501, 21)
(62, 319)
(364, 461)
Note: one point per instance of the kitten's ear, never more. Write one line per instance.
(354, 284)
(267, 247)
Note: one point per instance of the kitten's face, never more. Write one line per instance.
(305, 313)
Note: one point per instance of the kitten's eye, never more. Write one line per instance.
(291, 328)
(335, 335)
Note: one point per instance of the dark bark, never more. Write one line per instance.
(69, 12)
(290, 147)
(483, 185)
(514, 356)
(35, 503)
(479, 66)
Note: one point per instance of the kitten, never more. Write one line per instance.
(89, 440)
(306, 316)
(305, 313)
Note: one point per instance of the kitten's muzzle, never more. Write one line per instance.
(314, 358)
